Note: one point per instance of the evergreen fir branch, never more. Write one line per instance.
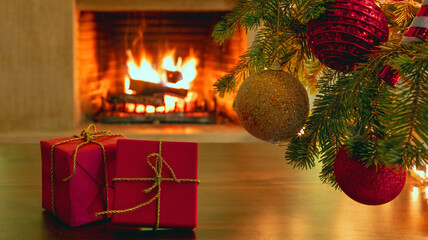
(229, 83)
(246, 13)
(405, 11)
(352, 106)
(379, 124)
(328, 156)
(363, 149)
(313, 70)
(319, 5)
(226, 28)
(283, 40)
(302, 152)
(266, 48)
(225, 84)
(390, 127)
(323, 129)
(410, 119)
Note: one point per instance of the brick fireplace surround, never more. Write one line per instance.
(38, 86)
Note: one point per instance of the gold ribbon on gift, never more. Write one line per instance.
(89, 137)
(157, 168)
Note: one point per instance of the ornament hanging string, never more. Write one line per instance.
(89, 137)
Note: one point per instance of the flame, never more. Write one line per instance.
(142, 70)
(145, 72)
(127, 84)
(170, 103)
(168, 61)
(188, 71)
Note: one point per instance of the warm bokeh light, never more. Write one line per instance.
(420, 173)
(426, 192)
(415, 193)
(301, 132)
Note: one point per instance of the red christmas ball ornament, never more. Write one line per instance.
(367, 185)
(347, 32)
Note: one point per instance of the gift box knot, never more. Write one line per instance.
(157, 167)
(88, 135)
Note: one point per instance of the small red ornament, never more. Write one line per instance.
(367, 185)
(347, 32)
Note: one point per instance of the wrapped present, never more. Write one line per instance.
(155, 184)
(77, 175)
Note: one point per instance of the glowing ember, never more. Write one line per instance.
(140, 108)
(130, 107)
(150, 109)
(160, 109)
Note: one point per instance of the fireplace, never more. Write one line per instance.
(153, 66)
(42, 81)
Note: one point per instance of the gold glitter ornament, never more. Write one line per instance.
(272, 105)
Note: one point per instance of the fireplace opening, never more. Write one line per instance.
(147, 66)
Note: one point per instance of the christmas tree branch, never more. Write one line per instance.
(410, 119)
(377, 123)
(281, 35)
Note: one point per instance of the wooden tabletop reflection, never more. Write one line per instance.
(247, 191)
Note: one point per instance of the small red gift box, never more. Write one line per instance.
(76, 200)
(155, 184)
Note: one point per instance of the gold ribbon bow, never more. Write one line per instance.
(157, 168)
(89, 137)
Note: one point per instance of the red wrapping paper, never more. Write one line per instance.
(178, 201)
(78, 199)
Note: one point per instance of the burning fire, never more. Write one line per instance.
(143, 71)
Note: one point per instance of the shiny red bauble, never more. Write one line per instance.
(346, 33)
(367, 185)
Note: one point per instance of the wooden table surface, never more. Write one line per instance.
(247, 191)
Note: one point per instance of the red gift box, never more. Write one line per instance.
(76, 200)
(155, 187)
